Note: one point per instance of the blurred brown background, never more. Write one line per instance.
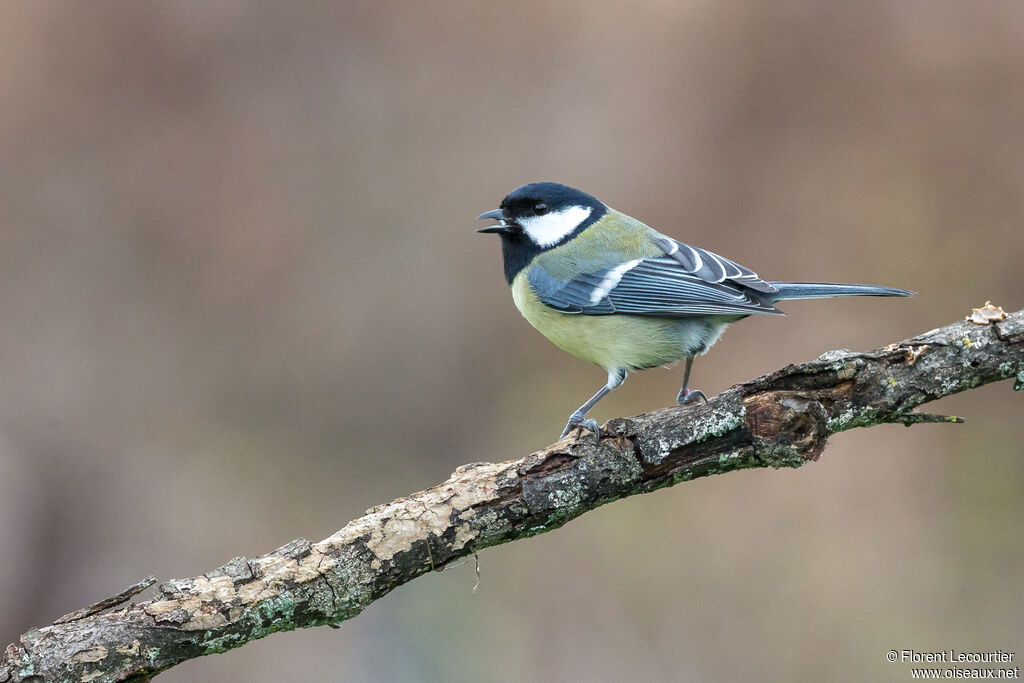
(242, 301)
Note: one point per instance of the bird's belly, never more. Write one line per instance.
(619, 341)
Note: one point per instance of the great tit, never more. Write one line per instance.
(610, 290)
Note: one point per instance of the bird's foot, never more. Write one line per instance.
(688, 396)
(579, 420)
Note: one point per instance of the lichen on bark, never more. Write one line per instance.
(783, 419)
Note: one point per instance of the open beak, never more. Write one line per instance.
(494, 215)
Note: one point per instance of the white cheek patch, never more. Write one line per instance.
(550, 228)
(612, 279)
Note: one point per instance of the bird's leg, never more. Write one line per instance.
(686, 395)
(579, 418)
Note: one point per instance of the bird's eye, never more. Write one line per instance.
(540, 208)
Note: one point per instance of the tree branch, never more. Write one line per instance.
(779, 420)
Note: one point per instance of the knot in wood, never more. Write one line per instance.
(792, 420)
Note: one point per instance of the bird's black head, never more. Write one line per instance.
(538, 217)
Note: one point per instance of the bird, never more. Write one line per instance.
(613, 291)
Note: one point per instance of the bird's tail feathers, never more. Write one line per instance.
(825, 290)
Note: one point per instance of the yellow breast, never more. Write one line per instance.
(614, 341)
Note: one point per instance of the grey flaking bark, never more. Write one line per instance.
(779, 420)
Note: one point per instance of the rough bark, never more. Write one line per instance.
(779, 420)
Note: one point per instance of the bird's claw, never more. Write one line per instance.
(688, 396)
(582, 422)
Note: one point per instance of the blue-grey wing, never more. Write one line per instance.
(685, 282)
(711, 267)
